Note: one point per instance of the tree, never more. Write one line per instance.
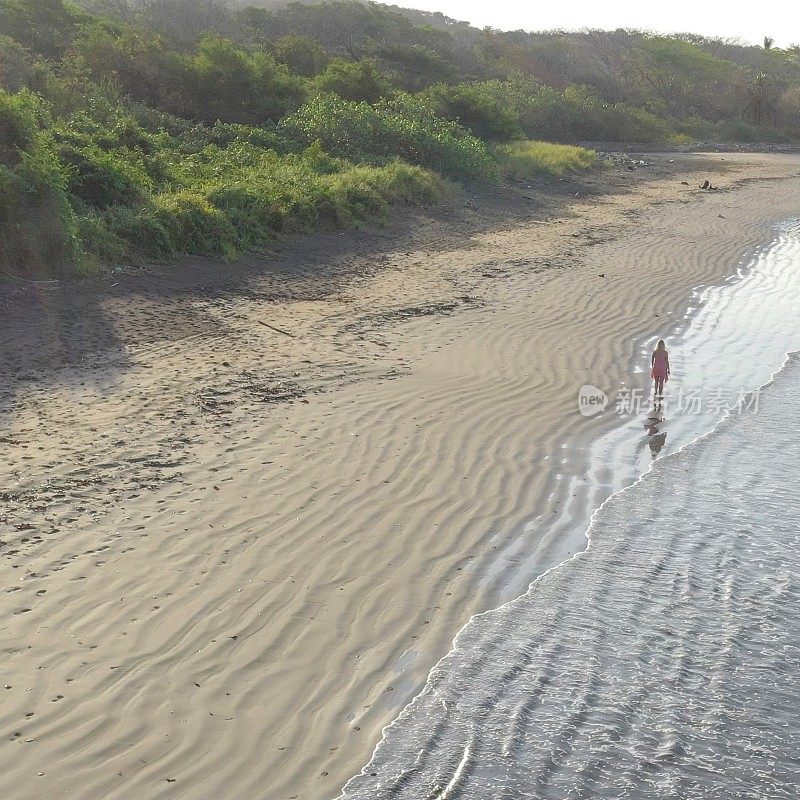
(759, 108)
(414, 67)
(184, 20)
(680, 79)
(611, 51)
(789, 107)
(302, 55)
(768, 42)
(44, 26)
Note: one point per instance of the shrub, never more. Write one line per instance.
(193, 224)
(16, 66)
(353, 80)
(17, 125)
(101, 179)
(139, 228)
(483, 108)
(43, 26)
(592, 118)
(410, 184)
(268, 196)
(577, 113)
(403, 127)
(218, 81)
(174, 223)
(224, 134)
(100, 244)
(413, 67)
(223, 82)
(38, 229)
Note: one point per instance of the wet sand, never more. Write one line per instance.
(244, 512)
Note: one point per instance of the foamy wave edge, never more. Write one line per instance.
(791, 358)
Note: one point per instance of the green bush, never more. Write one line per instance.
(139, 229)
(736, 131)
(576, 113)
(175, 223)
(101, 179)
(109, 185)
(99, 242)
(404, 127)
(353, 80)
(224, 134)
(17, 68)
(38, 228)
(592, 118)
(413, 67)
(113, 161)
(294, 197)
(44, 26)
(217, 81)
(18, 124)
(192, 224)
(483, 108)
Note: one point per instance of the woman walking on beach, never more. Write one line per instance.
(660, 367)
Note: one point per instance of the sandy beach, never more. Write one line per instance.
(246, 507)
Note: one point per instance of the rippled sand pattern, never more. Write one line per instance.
(216, 587)
(662, 662)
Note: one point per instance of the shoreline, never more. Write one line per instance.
(447, 683)
(458, 399)
(612, 474)
(360, 784)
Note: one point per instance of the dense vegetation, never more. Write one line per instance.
(159, 127)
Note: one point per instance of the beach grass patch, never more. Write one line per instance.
(529, 158)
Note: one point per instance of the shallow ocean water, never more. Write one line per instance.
(731, 339)
(664, 660)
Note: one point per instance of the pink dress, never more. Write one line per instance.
(659, 371)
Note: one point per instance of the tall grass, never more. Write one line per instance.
(529, 158)
(222, 201)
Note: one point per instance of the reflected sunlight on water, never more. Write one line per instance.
(662, 661)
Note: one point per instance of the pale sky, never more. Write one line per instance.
(748, 21)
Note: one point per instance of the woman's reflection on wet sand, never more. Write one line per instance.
(654, 437)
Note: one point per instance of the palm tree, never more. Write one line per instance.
(768, 42)
(759, 108)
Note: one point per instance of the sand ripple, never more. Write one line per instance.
(214, 591)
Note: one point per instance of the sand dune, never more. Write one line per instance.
(231, 552)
